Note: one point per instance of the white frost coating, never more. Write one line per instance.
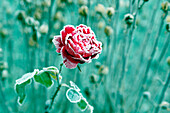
(91, 108)
(56, 43)
(64, 29)
(67, 38)
(81, 58)
(70, 99)
(88, 105)
(75, 86)
(65, 85)
(51, 68)
(96, 57)
(26, 77)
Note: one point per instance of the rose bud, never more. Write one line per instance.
(97, 64)
(103, 70)
(20, 15)
(108, 30)
(129, 18)
(93, 78)
(37, 15)
(9, 11)
(56, 25)
(168, 27)
(46, 3)
(83, 10)
(147, 95)
(100, 9)
(58, 15)
(4, 33)
(44, 29)
(77, 45)
(168, 60)
(164, 105)
(165, 6)
(29, 21)
(101, 24)
(60, 4)
(4, 74)
(110, 11)
(87, 92)
(168, 19)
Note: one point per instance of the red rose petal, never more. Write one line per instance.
(63, 34)
(69, 29)
(57, 42)
(69, 62)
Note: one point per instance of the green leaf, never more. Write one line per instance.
(73, 96)
(43, 77)
(21, 83)
(26, 77)
(53, 71)
(82, 104)
(20, 89)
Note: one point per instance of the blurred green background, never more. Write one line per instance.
(130, 75)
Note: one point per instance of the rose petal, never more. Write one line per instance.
(63, 34)
(57, 42)
(67, 30)
(77, 56)
(68, 60)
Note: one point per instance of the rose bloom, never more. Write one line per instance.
(77, 45)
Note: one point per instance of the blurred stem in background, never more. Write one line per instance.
(145, 76)
(147, 36)
(162, 94)
(50, 26)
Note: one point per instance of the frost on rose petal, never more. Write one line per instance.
(77, 45)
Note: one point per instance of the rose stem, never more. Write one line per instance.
(148, 64)
(163, 93)
(147, 36)
(57, 90)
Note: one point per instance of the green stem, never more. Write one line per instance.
(165, 47)
(57, 90)
(147, 36)
(145, 77)
(163, 93)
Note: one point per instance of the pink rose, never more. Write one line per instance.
(77, 45)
